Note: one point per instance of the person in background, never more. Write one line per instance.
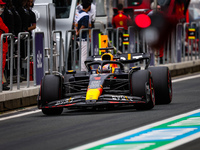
(3, 29)
(24, 14)
(92, 14)
(9, 17)
(152, 7)
(17, 18)
(121, 19)
(79, 7)
(32, 21)
(82, 19)
(159, 52)
(25, 19)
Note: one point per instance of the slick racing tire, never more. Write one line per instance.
(142, 86)
(162, 84)
(51, 90)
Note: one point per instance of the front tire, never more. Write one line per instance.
(162, 84)
(51, 91)
(142, 86)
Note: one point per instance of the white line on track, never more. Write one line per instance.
(20, 115)
(186, 78)
(169, 146)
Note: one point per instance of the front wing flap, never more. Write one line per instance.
(103, 100)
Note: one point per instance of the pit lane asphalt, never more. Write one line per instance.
(77, 127)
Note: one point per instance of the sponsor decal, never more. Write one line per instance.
(39, 59)
(97, 78)
(137, 57)
(120, 98)
(95, 84)
(122, 58)
(129, 56)
(66, 101)
(96, 59)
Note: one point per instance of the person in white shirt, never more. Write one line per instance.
(92, 14)
(82, 22)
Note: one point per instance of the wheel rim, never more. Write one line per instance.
(152, 91)
(169, 85)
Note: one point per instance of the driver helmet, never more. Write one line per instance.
(107, 56)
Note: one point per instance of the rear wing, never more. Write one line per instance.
(125, 58)
(132, 57)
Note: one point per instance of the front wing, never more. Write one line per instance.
(79, 101)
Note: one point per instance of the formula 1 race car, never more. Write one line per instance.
(110, 81)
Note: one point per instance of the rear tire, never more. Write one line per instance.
(141, 83)
(51, 91)
(162, 84)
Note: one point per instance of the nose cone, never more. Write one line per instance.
(93, 94)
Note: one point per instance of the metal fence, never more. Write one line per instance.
(1, 58)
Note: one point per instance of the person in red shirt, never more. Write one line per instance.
(3, 29)
(121, 19)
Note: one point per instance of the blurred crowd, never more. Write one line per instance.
(18, 16)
